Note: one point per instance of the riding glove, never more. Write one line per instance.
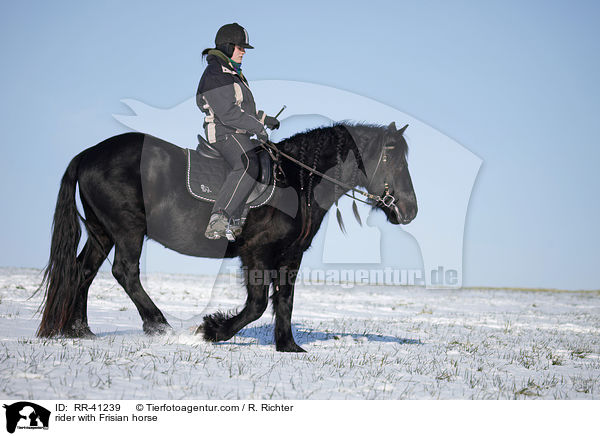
(263, 136)
(271, 122)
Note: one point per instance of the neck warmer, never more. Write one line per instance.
(234, 65)
(237, 67)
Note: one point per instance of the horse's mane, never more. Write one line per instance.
(361, 132)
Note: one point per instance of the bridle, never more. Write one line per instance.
(387, 200)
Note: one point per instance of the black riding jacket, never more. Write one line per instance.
(224, 96)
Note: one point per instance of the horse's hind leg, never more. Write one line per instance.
(89, 262)
(126, 269)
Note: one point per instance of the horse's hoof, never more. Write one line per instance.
(78, 331)
(157, 329)
(290, 347)
(86, 334)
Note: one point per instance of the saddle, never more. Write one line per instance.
(207, 171)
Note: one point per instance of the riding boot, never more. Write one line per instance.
(217, 225)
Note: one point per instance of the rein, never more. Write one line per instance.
(387, 200)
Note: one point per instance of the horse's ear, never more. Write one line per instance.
(401, 131)
(392, 126)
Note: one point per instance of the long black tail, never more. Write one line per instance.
(62, 276)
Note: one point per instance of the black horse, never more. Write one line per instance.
(118, 209)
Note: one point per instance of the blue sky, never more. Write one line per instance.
(514, 82)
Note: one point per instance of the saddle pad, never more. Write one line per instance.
(205, 176)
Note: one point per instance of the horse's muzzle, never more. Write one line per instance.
(403, 213)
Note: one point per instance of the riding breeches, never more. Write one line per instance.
(240, 153)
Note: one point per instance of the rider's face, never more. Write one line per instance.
(238, 54)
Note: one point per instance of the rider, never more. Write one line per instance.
(231, 119)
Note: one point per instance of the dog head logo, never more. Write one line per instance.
(25, 415)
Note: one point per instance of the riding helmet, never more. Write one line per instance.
(230, 35)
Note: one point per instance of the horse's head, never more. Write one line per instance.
(390, 178)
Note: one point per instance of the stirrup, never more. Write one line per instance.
(236, 225)
(234, 228)
(229, 234)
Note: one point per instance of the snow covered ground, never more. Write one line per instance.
(366, 342)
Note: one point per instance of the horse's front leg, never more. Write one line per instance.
(283, 302)
(221, 326)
